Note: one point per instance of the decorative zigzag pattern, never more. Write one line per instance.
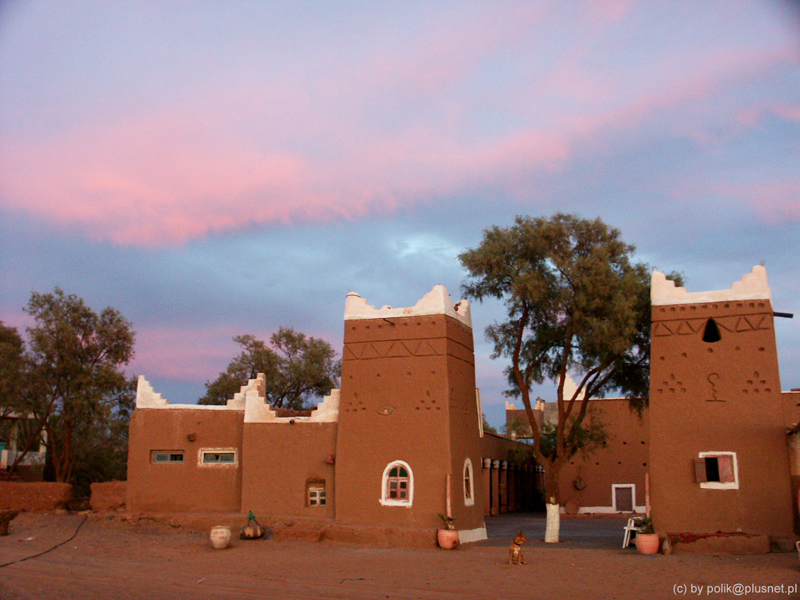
(393, 349)
(736, 324)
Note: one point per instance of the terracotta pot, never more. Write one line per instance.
(220, 537)
(447, 538)
(647, 543)
(252, 532)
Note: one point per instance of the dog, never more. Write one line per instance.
(515, 556)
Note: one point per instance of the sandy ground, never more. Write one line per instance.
(110, 559)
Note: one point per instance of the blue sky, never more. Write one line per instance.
(214, 168)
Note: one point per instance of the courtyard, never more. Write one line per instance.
(110, 558)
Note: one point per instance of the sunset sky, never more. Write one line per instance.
(217, 168)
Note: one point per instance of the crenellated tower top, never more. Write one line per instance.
(753, 286)
(435, 302)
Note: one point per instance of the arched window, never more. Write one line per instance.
(711, 333)
(397, 487)
(469, 483)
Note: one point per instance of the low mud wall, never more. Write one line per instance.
(721, 543)
(109, 495)
(34, 496)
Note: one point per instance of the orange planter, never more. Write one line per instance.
(647, 543)
(447, 538)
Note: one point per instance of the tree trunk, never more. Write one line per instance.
(553, 528)
(551, 488)
(62, 456)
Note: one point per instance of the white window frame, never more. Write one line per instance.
(469, 494)
(615, 486)
(384, 482)
(720, 485)
(203, 451)
(319, 494)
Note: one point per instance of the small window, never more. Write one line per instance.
(316, 495)
(716, 470)
(213, 458)
(167, 457)
(217, 456)
(469, 484)
(711, 333)
(397, 485)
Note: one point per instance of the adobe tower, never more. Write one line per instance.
(718, 459)
(409, 420)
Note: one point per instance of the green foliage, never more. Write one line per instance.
(586, 436)
(518, 428)
(573, 300)
(12, 370)
(75, 386)
(448, 522)
(575, 303)
(297, 368)
(102, 454)
(486, 426)
(644, 524)
(519, 455)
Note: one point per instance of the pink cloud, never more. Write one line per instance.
(278, 152)
(672, 103)
(751, 116)
(772, 201)
(160, 179)
(610, 11)
(193, 353)
(791, 112)
(163, 352)
(19, 320)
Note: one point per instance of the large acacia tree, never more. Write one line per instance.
(575, 303)
(74, 379)
(297, 367)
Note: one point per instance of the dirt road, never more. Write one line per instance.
(111, 559)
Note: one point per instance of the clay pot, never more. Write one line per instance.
(447, 538)
(647, 543)
(220, 537)
(252, 532)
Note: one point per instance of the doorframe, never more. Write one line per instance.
(615, 487)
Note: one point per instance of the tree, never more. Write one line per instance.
(575, 303)
(487, 427)
(101, 453)
(75, 380)
(12, 368)
(297, 368)
(23, 433)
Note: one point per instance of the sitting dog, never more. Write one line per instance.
(515, 556)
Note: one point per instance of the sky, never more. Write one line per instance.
(218, 168)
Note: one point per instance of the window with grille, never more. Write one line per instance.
(316, 494)
(398, 485)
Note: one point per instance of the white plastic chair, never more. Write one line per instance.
(630, 527)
